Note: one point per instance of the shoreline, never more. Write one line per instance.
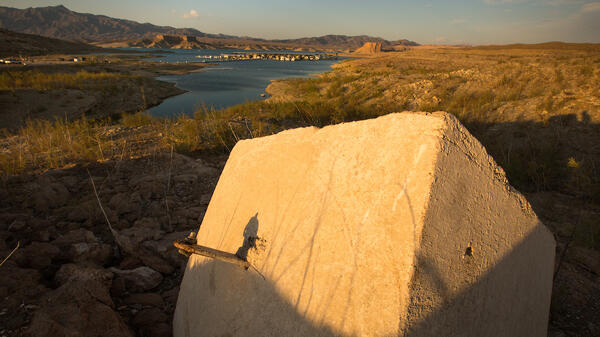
(270, 94)
(125, 85)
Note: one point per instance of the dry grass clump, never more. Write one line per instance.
(137, 119)
(31, 79)
(44, 145)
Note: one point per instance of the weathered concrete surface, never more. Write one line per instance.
(400, 225)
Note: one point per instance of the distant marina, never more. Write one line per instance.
(287, 57)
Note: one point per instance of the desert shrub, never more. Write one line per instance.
(586, 70)
(183, 134)
(530, 164)
(470, 105)
(335, 89)
(42, 145)
(559, 77)
(140, 118)
(306, 86)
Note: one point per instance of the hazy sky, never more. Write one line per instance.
(427, 21)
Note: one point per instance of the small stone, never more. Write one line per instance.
(50, 196)
(117, 200)
(157, 330)
(165, 244)
(170, 296)
(131, 216)
(39, 255)
(195, 212)
(156, 209)
(135, 197)
(187, 179)
(149, 316)
(42, 236)
(76, 236)
(136, 181)
(205, 199)
(121, 204)
(39, 262)
(17, 226)
(71, 182)
(73, 272)
(111, 215)
(147, 299)
(587, 258)
(147, 223)
(140, 279)
(130, 262)
(152, 260)
(96, 252)
(122, 224)
(78, 214)
(118, 288)
(40, 202)
(138, 235)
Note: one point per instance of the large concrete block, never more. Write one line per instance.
(397, 226)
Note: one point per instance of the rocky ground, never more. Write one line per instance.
(69, 277)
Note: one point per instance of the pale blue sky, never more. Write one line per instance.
(428, 21)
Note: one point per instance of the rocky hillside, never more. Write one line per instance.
(60, 22)
(369, 48)
(344, 42)
(19, 44)
(173, 42)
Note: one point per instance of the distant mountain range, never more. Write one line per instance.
(62, 23)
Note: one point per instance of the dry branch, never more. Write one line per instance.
(11, 253)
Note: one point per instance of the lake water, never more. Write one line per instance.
(228, 83)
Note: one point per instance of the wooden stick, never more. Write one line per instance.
(112, 231)
(11, 253)
(212, 253)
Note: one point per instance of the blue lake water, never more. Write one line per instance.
(229, 83)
